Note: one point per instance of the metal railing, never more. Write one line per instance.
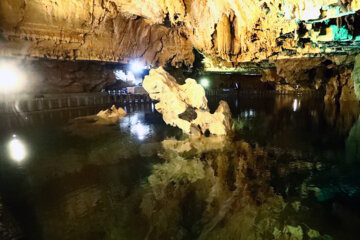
(61, 101)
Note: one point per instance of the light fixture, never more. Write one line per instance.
(136, 66)
(11, 78)
(204, 82)
(17, 149)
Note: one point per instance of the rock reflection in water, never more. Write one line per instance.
(200, 188)
(215, 188)
(126, 182)
(353, 143)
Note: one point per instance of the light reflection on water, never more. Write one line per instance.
(136, 122)
(17, 149)
(282, 176)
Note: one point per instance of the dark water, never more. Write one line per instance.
(291, 171)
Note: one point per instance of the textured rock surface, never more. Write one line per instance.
(165, 31)
(52, 76)
(112, 115)
(87, 30)
(332, 74)
(341, 87)
(356, 76)
(185, 106)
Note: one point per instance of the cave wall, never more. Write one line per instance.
(60, 76)
(87, 30)
(164, 31)
(330, 75)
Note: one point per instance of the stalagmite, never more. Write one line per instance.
(185, 106)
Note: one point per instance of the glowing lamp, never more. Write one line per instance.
(204, 82)
(11, 78)
(17, 150)
(136, 67)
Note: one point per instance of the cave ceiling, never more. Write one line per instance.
(227, 32)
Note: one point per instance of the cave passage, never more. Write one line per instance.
(179, 119)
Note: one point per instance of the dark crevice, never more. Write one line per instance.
(188, 115)
(213, 36)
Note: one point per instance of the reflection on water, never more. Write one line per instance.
(296, 105)
(285, 174)
(137, 124)
(216, 187)
(353, 143)
(17, 149)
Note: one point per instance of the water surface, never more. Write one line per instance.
(290, 171)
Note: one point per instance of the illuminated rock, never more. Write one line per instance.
(161, 31)
(93, 125)
(185, 106)
(112, 115)
(218, 123)
(90, 30)
(341, 87)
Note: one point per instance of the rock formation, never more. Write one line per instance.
(295, 44)
(356, 76)
(90, 30)
(332, 75)
(55, 76)
(185, 106)
(341, 87)
(166, 31)
(113, 114)
(93, 125)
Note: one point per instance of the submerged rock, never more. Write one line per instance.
(185, 106)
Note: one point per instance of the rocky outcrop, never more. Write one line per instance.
(340, 87)
(161, 32)
(332, 74)
(355, 77)
(90, 30)
(185, 106)
(53, 76)
(111, 115)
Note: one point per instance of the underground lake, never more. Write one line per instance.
(290, 169)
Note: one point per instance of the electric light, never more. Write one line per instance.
(17, 149)
(136, 66)
(11, 78)
(204, 82)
